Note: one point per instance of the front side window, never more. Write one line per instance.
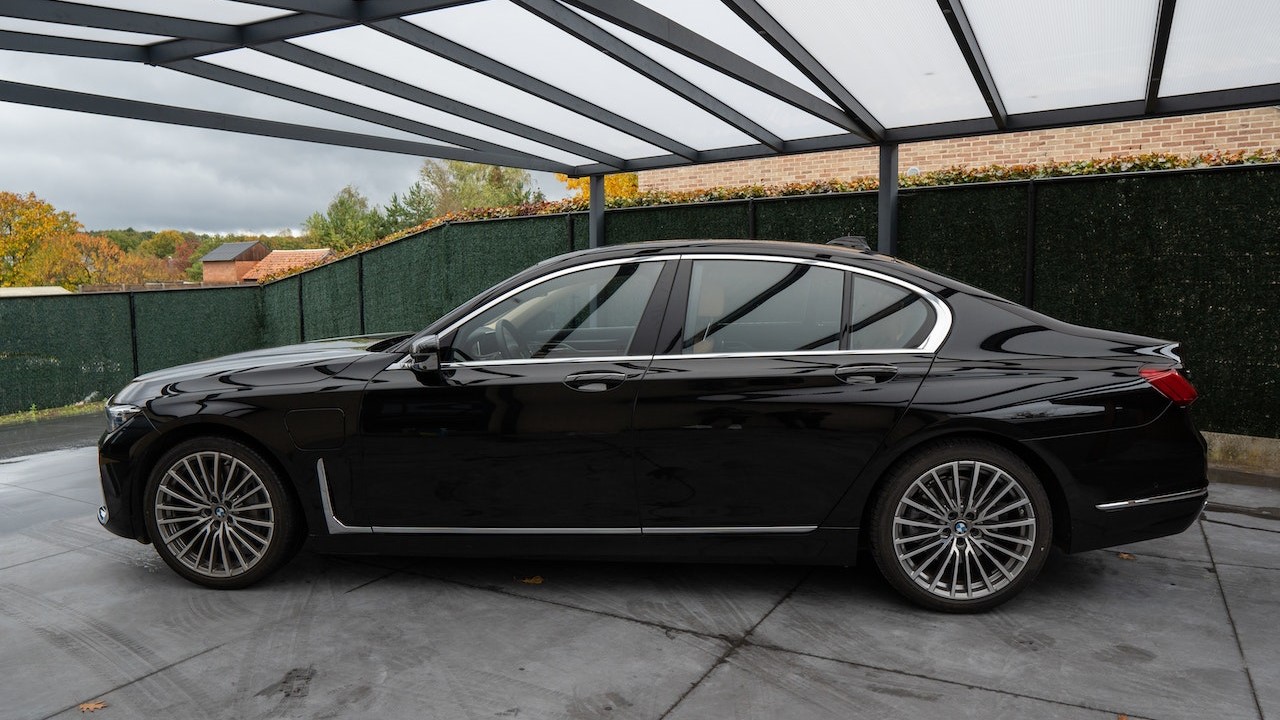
(587, 313)
(762, 306)
(885, 316)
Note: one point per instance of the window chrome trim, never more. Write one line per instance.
(941, 327)
(331, 521)
(1155, 500)
(941, 324)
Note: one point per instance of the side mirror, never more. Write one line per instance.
(425, 354)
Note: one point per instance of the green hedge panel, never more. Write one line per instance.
(816, 218)
(1189, 257)
(280, 323)
(483, 253)
(396, 278)
(183, 326)
(331, 300)
(674, 222)
(61, 349)
(976, 234)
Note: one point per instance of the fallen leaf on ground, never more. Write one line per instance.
(1125, 556)
(535, 580)
(91, 706)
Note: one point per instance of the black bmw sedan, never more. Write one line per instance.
(694, 400)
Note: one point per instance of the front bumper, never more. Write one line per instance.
(121, 479)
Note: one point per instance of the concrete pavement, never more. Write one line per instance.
(1182, 627)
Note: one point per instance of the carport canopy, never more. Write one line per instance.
(587, 87)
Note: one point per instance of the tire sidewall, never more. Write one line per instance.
(283, 541)
(900, 479)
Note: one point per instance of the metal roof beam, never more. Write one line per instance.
(136, 110)
(967, 42)
(1159, 48)
(586, 31)
(253, 83)
(71, 47)
(68, 13)
(291, 26)
(437, 45)
(354, 73)
(674, 36)
(776, 35)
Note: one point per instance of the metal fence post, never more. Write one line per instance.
(1029, 271)
(887, 213)
(595, 217)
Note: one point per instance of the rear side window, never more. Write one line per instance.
(761, 306)
(885, 316)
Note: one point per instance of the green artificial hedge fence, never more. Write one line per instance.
(1183, 255)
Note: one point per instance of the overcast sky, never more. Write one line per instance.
(116, 173)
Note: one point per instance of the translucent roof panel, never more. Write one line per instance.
(401, 61)
(1216, 45)
(134, 81)
(79, 33)
(897, 58)
(219, 11)
(517, 38)
(784, 120)
(714, 20)
(1048, 54)
(283, 71)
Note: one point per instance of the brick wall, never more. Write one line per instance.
(1257, 128)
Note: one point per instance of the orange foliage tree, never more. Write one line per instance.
(618, 185)
(26, 222)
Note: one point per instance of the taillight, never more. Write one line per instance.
(1171, 384)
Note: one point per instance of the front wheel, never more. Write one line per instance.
(961, 526)
(218, 514)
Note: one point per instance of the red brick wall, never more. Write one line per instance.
(1253, 129)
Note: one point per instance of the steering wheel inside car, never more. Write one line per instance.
(509, 341)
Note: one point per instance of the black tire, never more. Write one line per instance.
(965, 555)
(219, 515)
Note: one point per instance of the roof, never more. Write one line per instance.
(230, 251)
(33, 291)
(587, 87)
(279, 261)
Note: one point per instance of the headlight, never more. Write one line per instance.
(118, 415)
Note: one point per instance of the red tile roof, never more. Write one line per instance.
(279, 261)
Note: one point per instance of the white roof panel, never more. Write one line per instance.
(1217, 46)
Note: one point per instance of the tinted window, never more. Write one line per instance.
(589, 313)
(757, 306)
(886, 316)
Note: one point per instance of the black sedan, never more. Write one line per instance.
(694, 400)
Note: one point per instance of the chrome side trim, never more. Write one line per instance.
(731, 530)
(335, 526)
(1156, 500)
(506, 530)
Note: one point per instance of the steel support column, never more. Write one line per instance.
(887, 215)
(595, 215)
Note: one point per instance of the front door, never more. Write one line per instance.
(527, 425)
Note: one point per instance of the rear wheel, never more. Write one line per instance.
(961, 526)
(218, 514)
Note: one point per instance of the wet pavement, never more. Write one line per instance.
(1181, 627)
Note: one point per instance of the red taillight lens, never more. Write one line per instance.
(1172, 385)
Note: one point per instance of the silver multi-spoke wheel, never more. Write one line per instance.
(219, 514)
(214, 514)
(964, 530)
(961, 526)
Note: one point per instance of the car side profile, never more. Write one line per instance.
(703, 400)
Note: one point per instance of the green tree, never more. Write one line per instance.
(416, 207)
(161, 245)
(349, 220)
(454, 185)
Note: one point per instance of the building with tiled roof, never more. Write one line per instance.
(241, 262)
(281, 261)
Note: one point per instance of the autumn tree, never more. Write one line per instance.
(615, 185)
(349, 220)
(26, 222)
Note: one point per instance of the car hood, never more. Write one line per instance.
(286, 365)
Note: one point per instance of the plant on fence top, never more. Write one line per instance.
(955, 175)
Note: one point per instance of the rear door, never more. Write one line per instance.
(774, 383)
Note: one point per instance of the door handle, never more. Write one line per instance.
(865, 374)
(595, 381)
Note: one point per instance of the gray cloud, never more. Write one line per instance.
(116, 173)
